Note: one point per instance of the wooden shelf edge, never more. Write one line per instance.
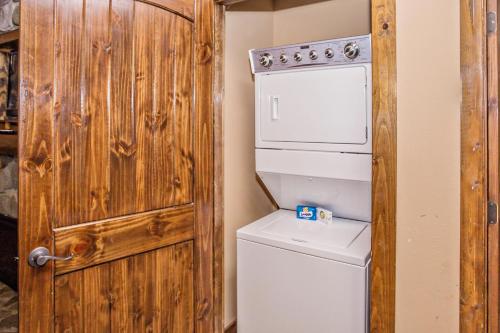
(8, 37)
(8, 143)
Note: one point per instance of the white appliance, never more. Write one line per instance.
(313, 147)
(303, 277)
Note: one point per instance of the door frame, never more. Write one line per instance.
(383, 276)
(478, 109)
(480, 187)
(36, 153)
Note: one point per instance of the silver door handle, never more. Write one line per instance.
(274, 108)
(39, 257)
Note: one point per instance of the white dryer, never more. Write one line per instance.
(313, 147)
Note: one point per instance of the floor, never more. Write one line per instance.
(8, 309)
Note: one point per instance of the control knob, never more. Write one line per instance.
(313, 55)
(351, 50)
(329, 53)
(283, 58)
(266, 60)
(297, 56)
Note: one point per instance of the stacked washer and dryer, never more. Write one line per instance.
(313, 147)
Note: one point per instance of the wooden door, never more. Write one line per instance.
(116, 165)
(493, 239)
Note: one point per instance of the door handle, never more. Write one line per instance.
(274, 108)
(39, 257)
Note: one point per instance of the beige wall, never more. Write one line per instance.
(428, 166)
(323, 20)
(428, 142)
(244, 200)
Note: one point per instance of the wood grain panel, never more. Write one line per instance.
(473, 187)
(67, 108)
(149, 292)
(123, 141)
(143, 100)
(383, 275)
(69, 302)
(181, 290)
(96, 305)
(93, 176)
(183, 99)
(123, 110)
(164, 89)
(134, 296)
(36, 158)
(102, 241)
(82, 302)
(182, 7)
(153, 292)
(81, 123)
(204, 165)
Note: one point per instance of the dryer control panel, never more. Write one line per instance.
(333, 52)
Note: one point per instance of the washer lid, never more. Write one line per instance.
(343, 240)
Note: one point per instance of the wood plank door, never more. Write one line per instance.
(493, 281)
(116, 165)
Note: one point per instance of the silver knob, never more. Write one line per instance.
(313, 55)
(297, 56)
(283, 58)
(39, 257)
(266, 60)
(351, 50)
(329, 53)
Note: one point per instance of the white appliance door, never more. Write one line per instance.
(281, 291)
(315, 106)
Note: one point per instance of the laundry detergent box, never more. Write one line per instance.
(312, 213)
(307, 213)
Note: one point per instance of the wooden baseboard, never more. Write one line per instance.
(231, 328)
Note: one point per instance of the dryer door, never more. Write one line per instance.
(327, 106)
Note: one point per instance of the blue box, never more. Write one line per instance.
(307, 213)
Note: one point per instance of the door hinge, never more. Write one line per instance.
(492, 212)
(491, 22)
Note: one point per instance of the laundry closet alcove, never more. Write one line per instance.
(260, 24)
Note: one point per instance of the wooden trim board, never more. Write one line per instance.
(208, 278)
(98, 242)
(383, 275)
(473, 187)
(493, 173)
(219, 171)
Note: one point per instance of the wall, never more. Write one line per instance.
(244, 200)
(322, 20)
(428, 204)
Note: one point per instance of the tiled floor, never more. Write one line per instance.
(8, 309)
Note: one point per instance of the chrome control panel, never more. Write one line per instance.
(332, 52)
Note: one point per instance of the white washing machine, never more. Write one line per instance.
(313, 147)
(303, 277)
